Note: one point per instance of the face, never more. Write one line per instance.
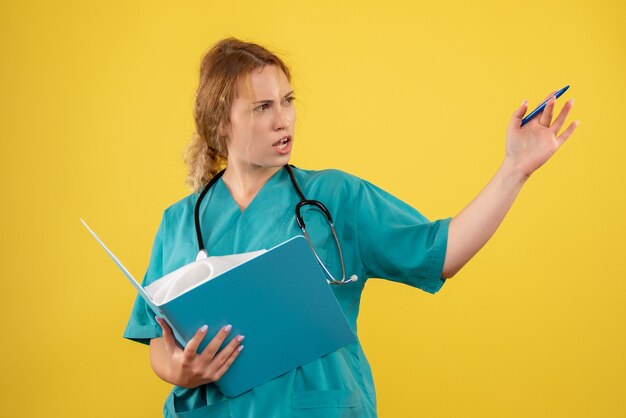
(262, 120)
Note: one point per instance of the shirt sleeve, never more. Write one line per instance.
(142, 326)
(398, 243)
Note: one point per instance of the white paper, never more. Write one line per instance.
(194, 274)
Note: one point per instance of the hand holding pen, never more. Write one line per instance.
(543, 105)
(533, 140)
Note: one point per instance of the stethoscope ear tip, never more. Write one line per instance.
(354, 278)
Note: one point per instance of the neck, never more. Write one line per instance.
(244, 181)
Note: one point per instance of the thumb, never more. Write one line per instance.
(168, 335)
(516, 118)
(520, 111)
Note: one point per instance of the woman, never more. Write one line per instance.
(245, 121)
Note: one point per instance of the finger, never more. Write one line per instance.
(546, 114)
(536, 119)
(168, 335)
(550, 95)
(225, 353)
(560, 119)
(521, 110)
(229, 361)
(547, 98)
(191, 348)
(518, 114)
(567, 133)
(216, 342)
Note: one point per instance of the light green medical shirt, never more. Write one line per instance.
(380, 237)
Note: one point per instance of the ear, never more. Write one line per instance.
(222, 129)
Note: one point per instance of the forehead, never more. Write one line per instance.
(263, 83)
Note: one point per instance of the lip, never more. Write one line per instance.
(286, 149)
(281, 139)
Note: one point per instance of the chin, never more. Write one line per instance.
(282, 160)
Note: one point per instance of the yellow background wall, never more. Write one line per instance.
(96, 108)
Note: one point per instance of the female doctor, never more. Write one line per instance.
(245, 120)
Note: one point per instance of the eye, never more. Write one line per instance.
(290, 99)
(262, 107)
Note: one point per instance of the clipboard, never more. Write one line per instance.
(280, 300)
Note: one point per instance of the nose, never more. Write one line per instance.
(282, 118)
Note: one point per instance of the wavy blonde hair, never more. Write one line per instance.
(227, 62)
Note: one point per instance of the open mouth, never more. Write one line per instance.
(282, 144)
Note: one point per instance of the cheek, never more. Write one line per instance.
(261, 127)
(241, 129)
(251, 138)
(292, 116)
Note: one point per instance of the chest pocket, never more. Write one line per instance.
(326, 404)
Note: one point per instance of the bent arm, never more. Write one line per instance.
(470, 230)
(162, 362)
(527, 149)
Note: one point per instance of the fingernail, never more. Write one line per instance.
(156, 318)
(524, 102)
(227, 328)
(240, 338)
(240, 348)
(203, 328)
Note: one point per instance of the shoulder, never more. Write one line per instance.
(333, 180)
(181, 209)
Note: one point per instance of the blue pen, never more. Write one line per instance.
(541, 106)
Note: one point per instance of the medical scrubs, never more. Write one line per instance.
(380, 236)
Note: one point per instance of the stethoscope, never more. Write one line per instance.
(202, 252)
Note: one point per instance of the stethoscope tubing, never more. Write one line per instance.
(196, 212)
(202, 252)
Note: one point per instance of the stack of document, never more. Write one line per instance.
(279, 299)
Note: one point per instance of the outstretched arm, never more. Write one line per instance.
(527, 149)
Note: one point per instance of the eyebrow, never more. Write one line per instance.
(268, 100)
